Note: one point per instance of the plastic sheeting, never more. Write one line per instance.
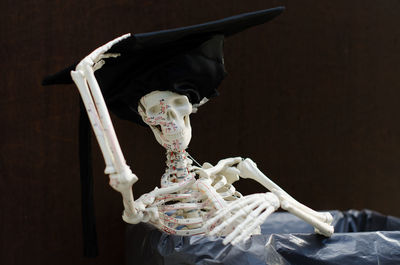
(361, 237)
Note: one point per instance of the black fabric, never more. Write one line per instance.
(90, 248)
(187, 60)
(62, 77)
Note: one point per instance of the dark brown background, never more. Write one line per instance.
(312, 97)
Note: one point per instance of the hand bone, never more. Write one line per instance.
(231, 174)
(248, 213)
(142, 214)
(143, 210)
(94, 59)
(220, 168)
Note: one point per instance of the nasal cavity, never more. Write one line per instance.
(171, 114)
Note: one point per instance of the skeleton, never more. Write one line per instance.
(192, 199)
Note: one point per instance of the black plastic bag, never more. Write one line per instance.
(361, 237)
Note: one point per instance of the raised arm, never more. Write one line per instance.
(121, 177)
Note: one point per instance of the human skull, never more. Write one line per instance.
(167, 114)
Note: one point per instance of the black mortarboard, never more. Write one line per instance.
(187, 60)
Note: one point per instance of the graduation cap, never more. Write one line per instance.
(187, 60)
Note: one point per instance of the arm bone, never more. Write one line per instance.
(321, 221)
(122, 179)
(109, 132)
(222, 164)
(98, 129)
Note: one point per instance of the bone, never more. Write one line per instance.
(248, 169)
(320, 221)
(186, 182)
(98, 53)
(170, 197)
(188, 232)
(252, 217)
(98, 129)
(206, 173)
(246, 233)
(223, 213)
(320, 226)
(243, 211)
(182, 221)
(204, 186)
(105, 119)
(322, 216)
(228, 193)
(219, 182)
(167, 114)
(123, 178)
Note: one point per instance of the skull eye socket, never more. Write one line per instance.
(180, 101)
(154, 110)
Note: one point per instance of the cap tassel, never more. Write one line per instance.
(90, 248)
